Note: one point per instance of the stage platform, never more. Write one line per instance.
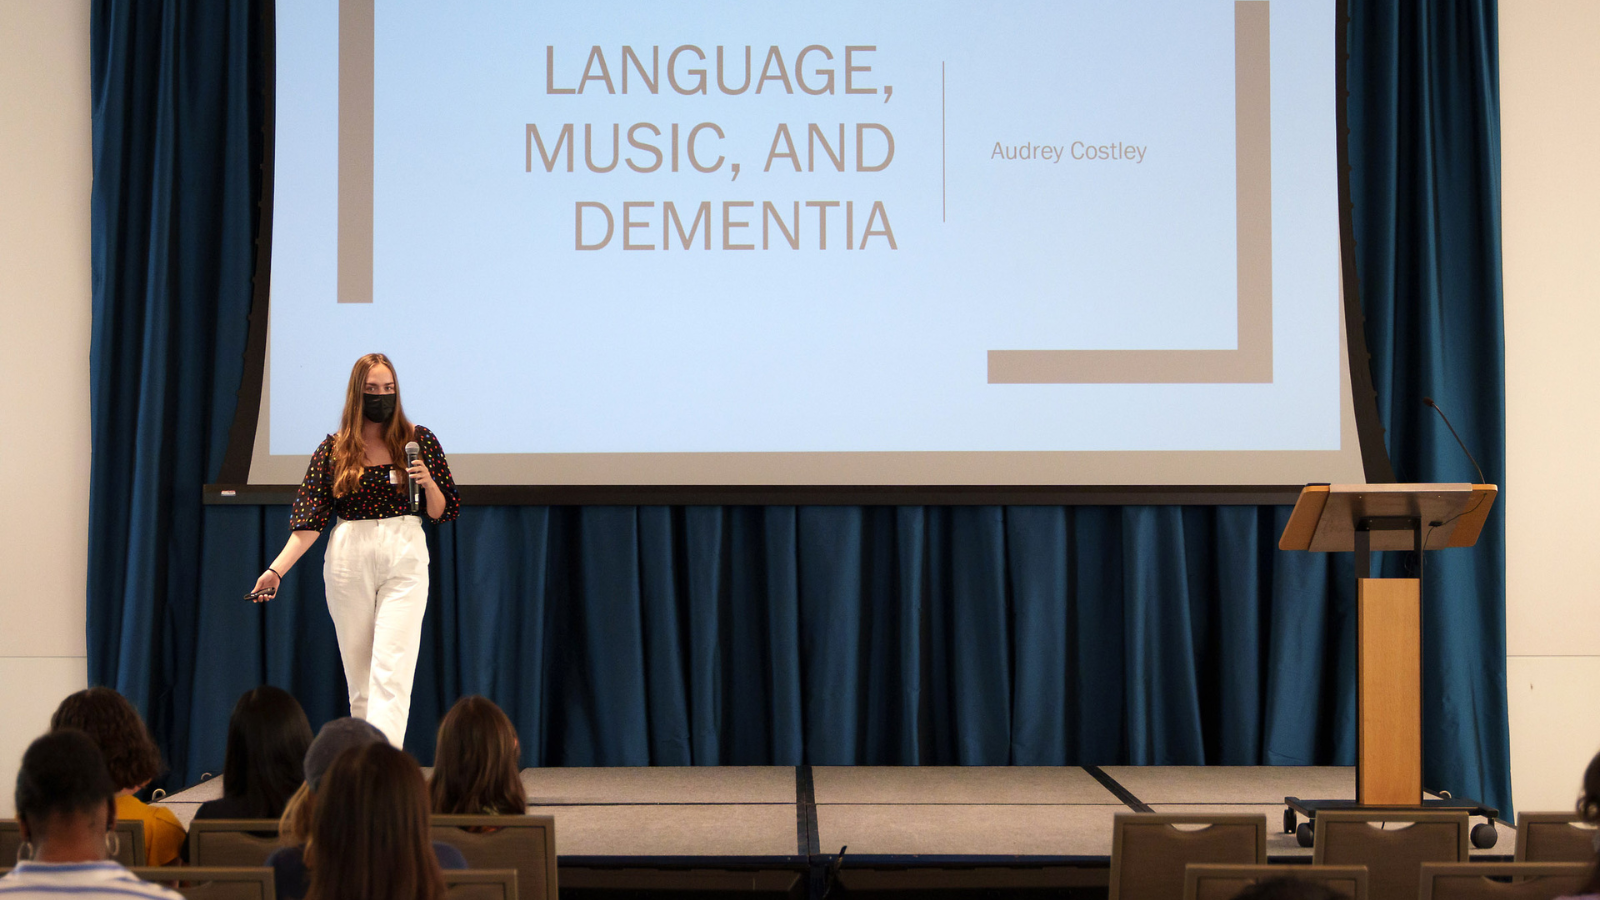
(773, 830)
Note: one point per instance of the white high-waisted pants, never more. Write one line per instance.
(376, 572)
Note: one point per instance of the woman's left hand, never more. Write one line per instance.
(420, 475)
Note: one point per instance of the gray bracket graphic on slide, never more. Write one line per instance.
(1251, 361)
(357, 23)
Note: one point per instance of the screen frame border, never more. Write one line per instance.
(233, 488)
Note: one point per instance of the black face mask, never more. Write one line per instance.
(378, 407)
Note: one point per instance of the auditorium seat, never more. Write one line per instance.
(1207, 881)
(130, 844)
(480, 884)
(212, 882)
(1527, 881)
(1554, 837)
(1393, 847)
(232, 842)
(524, 843)
(1150, 851)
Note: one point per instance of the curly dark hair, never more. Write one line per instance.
(132, 757)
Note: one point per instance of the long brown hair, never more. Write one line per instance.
(267, 739)
(349, 451)
(369, 835)
(475, 762)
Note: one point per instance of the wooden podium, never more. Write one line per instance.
(1335, 518)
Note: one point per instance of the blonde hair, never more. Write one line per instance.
(294, 826)
(349, 451)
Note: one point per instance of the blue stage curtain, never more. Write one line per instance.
(1425, 180)
(783, 635)
(175, 117)
(834, 635)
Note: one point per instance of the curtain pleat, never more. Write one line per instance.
(834, 635)
(175, 123)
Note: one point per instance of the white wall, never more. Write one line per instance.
(44, 365)
(1550, 146)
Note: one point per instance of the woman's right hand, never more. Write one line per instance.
(266, 587)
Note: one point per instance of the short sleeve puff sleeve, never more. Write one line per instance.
(439, 468)
(313, 504)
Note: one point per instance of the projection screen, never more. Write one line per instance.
(1064, 242)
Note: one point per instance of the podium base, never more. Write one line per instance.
(1484, 835)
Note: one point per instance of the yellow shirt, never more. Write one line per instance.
(163, 834)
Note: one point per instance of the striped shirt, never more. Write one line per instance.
(52, 881)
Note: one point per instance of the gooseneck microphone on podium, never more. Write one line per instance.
(1428, 401)
(413, 452)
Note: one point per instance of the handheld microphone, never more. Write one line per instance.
(1428, 401)
(413, 452)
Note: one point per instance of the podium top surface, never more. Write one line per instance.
(1324, 520)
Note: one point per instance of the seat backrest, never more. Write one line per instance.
(1150, 850)
(10, 840)
(1554, 837)
(480, 884)
(1393, 849)
(524, 843)
(213, 882)
(1205, 881)
(130, 842)
(232, 842)
(1528, 881)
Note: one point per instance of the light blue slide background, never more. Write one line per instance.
(508, 340)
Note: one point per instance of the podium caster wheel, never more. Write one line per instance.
(1289, 821)
(1305, 835)
(1484, 835)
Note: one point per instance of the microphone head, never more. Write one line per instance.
(1427, 401)
(412, 450)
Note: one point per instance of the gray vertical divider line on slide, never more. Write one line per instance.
(944, 215)
(1115, 787)
(357, 27)
(1250, 362)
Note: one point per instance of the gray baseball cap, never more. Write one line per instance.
(335, 738)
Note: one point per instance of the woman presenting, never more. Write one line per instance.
(376, 566)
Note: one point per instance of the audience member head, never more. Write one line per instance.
(106, 716)
(369, 836)
(66, 800)
(475, 765)
(1589, 800)
(268, 736)
(1589, 809)
(335, 737)
(1286, 887)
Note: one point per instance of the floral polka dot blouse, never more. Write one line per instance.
(376, 496)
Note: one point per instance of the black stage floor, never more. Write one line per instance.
(773, 830)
